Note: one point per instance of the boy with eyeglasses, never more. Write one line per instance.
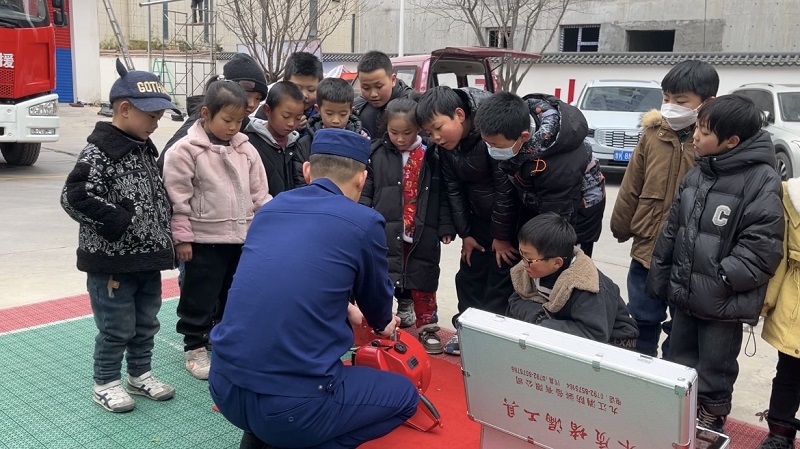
(557, 286)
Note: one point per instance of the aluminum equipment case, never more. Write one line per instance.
(527, 384)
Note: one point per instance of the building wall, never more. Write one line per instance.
(700, 25)
(133, 21)
(547, 78)
(424, 31)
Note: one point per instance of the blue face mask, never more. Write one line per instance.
(500, 154)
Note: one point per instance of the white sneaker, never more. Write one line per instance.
(198, 363)
(148, 386)
(113, 397)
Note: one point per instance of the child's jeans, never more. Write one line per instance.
(711, 348)
(648, 312)
(785, 398)
(125, 308)
(204, 291)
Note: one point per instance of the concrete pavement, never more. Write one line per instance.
(38, 241)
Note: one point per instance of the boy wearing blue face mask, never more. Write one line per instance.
(539, 141)
(658, 164)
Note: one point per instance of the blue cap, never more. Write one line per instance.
(143, 89)
(341, 142)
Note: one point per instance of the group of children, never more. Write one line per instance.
(512, 177)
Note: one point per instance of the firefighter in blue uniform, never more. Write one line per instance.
(276, 370)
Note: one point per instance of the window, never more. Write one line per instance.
(762, 99)
(497, 38)
(621, 99)
(407, 75)
(659, 40)
(580, 38)
(790, 106)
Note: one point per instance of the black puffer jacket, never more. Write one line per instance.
(372, 117)
(278, 163)
(384, 193)
(548, 171)
(475, 184)
(723, 238)
(193, 105)
(589, 219)
(303, 147)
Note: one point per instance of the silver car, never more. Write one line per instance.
(613, 109)
(781, 106)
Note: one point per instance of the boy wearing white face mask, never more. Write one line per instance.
(658, 164)
(539, 141)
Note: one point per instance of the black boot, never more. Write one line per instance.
(706, 418)
(251, 441)
(781, 436)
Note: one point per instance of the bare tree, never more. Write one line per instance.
(273, 29)
(515, 23)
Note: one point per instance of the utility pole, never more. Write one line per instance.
(401, 33)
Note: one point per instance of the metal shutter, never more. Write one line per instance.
(64, 75)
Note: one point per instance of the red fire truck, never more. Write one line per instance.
(28, 108)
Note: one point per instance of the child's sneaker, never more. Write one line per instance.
(452, 346)
(198, 363)
(113, 397)
(148, 386)
(430, 340)
(405, 311)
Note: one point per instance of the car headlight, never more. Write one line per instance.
(44, 109)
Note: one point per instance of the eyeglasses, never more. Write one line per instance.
(528, 262)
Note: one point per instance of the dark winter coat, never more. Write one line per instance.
(476, 187)
(548, 177)
(589, 218)
(383, 192)
(372, 117)
(116, 194)
(193, 105)
(303, 148)
(278, 163)
(722, 241)
(583, 302)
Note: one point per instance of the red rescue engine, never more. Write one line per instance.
(28, 108)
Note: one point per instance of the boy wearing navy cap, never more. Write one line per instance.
(300, 317)
(116, 194)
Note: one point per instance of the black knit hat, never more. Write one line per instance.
(244, 68)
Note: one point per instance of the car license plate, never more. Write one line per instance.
(622, 155)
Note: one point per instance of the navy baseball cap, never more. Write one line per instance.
(341, 142)
(143, 89)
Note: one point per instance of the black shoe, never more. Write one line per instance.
(781, 436)
(251, 441)
(710, 421)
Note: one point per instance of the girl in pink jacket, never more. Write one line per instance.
(216, 182)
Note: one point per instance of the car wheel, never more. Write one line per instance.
(783, 165)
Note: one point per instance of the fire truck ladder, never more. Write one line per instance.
(123, 46)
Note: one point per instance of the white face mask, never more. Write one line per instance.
(501, 154)
(678, 117)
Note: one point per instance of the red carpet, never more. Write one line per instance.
(446, 391)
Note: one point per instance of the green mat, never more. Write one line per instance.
(46, 395)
